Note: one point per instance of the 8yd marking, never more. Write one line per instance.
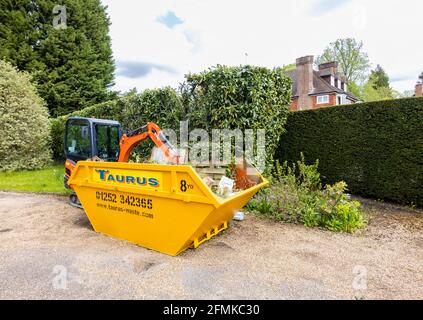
(185, 186)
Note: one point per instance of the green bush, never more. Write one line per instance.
(244, 97)
(24, 122)
(377, 147)
(162, 106)
(295, 195)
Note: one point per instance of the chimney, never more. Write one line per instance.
(419, 90)
(328, 68)
(305, 82)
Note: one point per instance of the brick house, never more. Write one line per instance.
(318, 89)
(419, 90)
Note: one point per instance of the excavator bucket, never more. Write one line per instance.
(167, 208)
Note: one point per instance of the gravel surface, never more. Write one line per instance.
(49, 251)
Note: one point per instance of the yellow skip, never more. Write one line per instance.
(166, 208)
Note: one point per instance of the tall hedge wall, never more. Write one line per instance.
(377, 147)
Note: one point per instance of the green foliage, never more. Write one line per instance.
(377, 87)
(72, 67)
(295, 195)
(235, 98)
(17, 33)
(377, 147)
(353, 62)
(162, 106)
(244, 97)
(379, 78)
(132, 110)
(356, 90)
(289, 67)
(372, 92)
(24, 123)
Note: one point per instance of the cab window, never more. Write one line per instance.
(78, 140)
(107, 142)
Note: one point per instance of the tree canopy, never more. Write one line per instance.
(72, 63)
(379, 77)
(353, 62)
(371, 92)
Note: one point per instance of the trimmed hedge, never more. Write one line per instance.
(242, 97)
(376, 147)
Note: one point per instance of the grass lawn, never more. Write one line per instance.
(45, 180)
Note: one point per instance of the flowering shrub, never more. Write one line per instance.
(295, 195)
(24, 122)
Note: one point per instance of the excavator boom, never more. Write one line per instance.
(151, 130)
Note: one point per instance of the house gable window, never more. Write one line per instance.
(322, 99)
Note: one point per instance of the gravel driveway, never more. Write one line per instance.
(49, 251)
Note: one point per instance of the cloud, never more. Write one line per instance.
(404, 76)
(134, 70)
(170, 19)
(321, 7)
(272, 32)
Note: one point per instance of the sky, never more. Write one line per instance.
(156, 42)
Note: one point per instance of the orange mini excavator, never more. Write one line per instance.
(103, 140)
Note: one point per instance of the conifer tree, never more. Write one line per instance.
(70, 59)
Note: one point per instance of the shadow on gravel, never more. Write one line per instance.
(83, 222)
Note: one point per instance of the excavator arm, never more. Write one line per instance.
(151, 130)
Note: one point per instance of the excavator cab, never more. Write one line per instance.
(87, 138)
(90, 138)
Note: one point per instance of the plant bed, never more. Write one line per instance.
(296, 195)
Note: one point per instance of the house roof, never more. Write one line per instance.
(320, 86)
